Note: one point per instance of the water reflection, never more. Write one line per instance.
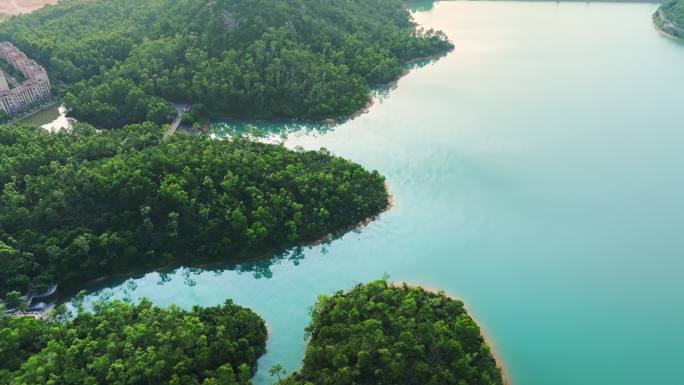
(124, 286)
(276, 131)
(52, 118)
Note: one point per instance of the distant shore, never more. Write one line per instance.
(577, 1)
(483, 332)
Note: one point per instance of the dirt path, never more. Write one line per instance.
(16, 7)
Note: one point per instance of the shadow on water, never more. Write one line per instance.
(258, 267)
(282, 127)
(279, 129)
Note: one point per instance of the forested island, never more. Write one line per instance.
(120, 344)
(79, 205)
(123, 61)
(374, 334)
(670, 18)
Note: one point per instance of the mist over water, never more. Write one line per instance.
(538, 176)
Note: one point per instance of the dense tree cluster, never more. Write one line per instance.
(121, 61)
(673, 23)
(378, 334)
(121, 344)
(79, 205)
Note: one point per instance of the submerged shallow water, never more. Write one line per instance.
(538, 176)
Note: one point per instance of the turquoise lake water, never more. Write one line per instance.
(538, 172)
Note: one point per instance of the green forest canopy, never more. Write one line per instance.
(122, 61)
(75, 206)
(379, 334)
(121, 344)
(374, 334)
(675, 9)
(673, 22)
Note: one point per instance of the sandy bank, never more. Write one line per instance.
(665, 26)
(483, 332)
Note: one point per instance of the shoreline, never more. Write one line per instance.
(658, 20)
(573, 1)
(70, 292)
(334, 121)
(391, 203)
(483, 332)
(30, 113)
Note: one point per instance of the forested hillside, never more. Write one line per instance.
(377, 334)
(374, 334)
(82, 205)
(122, 61)
(122, 344)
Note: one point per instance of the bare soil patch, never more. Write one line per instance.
(16, 7)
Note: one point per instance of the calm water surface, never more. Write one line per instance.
(53, 118)
(538, 173)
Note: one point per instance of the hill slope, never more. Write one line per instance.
(121, 61)
(83, 205)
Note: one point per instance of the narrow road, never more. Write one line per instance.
(669, 24)
(174, 125)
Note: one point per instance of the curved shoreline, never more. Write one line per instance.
(483, 332)
(92, 284)
(391, 202)
(659, 18)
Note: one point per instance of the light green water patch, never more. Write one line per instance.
(538, 176)
(52, 118)
(233, 127)
(279, 129)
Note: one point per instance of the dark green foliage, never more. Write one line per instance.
(119, 343)
(82, 205)
(377, 334)
(673, 21)
(675, 11)
(119, 61)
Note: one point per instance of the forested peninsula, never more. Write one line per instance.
(374, 334)
(381, 334)
(119, 62)
(670, 18)
(79, 205)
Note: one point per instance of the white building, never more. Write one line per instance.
(34, 90)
